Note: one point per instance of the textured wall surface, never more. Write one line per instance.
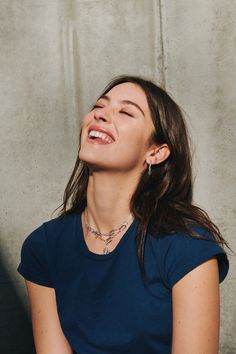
(200, 70)
(55, 57)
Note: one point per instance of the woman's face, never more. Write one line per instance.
(116, 132)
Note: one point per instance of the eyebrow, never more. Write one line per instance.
(107, 98)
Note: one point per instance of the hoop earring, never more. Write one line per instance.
(150, 169)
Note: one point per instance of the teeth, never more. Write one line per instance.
(103, 136)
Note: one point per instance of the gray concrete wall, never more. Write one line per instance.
(55, 57)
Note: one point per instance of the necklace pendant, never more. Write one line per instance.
(106, 250)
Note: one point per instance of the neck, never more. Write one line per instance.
(108, 199)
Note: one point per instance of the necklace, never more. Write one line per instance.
(108, 236)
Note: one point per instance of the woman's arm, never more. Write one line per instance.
(196, 311)
(48, 335)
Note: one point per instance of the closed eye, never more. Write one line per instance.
(123, 112)
(128, 114)
(96, 106)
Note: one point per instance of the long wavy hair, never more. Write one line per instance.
(162, 202)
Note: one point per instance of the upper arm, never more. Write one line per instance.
(196, 311)
(48, 335)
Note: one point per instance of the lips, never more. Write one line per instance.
(100, 133)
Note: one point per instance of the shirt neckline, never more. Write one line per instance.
(102, 257)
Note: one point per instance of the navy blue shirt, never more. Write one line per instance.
(104, 305)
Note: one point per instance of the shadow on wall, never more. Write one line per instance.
(15, 327)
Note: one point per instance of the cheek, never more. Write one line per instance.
(137, 136)
(85, 122)
(87, 119)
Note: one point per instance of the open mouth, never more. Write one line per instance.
(101, 137)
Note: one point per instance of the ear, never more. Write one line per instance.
(157, 154)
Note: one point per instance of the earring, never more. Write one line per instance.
(150, 169)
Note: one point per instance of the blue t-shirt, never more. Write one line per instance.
(104, 305)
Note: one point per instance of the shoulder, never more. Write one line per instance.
(61, 224)
(179, 253)
(41, 247)
(51, 230)
(177, 240)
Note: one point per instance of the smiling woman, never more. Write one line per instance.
(118, 114)
(130, 264)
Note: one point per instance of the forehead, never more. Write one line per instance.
(131, 92)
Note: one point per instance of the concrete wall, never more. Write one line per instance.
(55, 57)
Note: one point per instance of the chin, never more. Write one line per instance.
(92, 162)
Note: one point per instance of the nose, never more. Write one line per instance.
(102, 114)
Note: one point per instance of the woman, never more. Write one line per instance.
(130, 265)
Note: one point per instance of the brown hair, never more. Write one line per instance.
(162, 201)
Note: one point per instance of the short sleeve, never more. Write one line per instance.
(182, 253)
(34, 258)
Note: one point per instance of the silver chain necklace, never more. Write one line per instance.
(108, 235)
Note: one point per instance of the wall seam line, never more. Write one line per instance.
(162, 43)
